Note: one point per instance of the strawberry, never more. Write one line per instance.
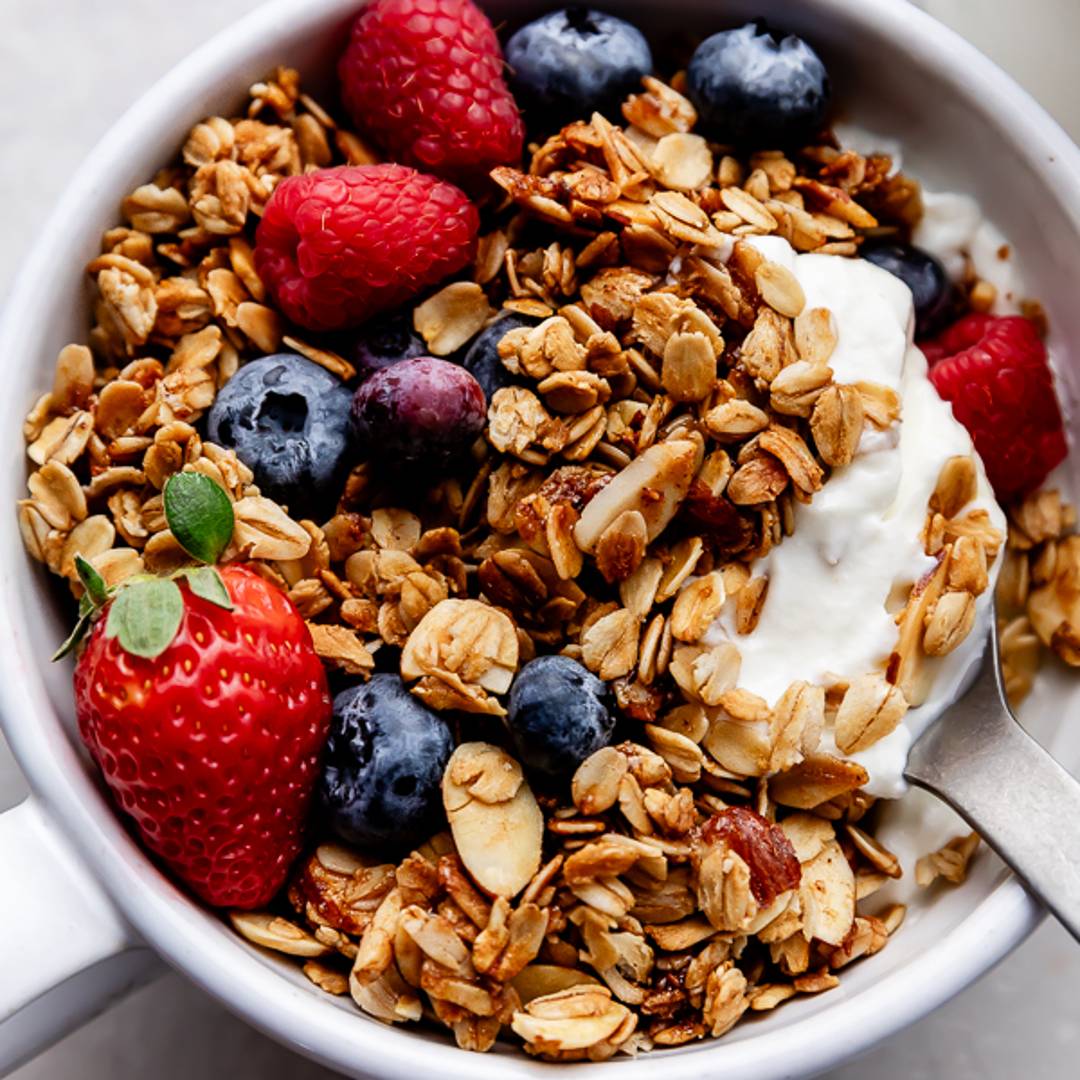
(203, 702)
(995, 372)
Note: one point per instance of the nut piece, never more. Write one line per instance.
(461, 651)
(872, 708)
(578, 1018)
(828, 895)
(654, 484)
(816, 780)
(495, 821)
(274, 932)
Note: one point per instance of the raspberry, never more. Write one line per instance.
(425, 79)
(336, 246)
(994, 371)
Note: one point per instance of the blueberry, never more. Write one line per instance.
(559, 714)
(421, 411)
(934, 295)
(288, 421)
(574, 62)
(751, 87)
(384, 764)
(380, 342)
(482, 360)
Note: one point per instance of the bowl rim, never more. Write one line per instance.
(178, 929)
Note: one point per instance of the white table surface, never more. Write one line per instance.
(67, 69)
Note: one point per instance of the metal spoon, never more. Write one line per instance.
(1008, 788)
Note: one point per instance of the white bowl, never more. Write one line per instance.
(964, 125)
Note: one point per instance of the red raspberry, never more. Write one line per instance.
(995, 372)
(425, 79)
(336, 246)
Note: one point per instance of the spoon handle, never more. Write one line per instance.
(1008, 788)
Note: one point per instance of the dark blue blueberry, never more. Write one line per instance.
(380, 342)
(574, 62)
(752, 87)
(559, 714)
(423, 411)
(384, 764)
(934, 295)
(482, 360)
(288, 421)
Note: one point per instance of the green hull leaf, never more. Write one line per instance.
(199, 514)
(145, 616)
(205, 581)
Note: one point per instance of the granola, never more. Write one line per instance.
(669, 410)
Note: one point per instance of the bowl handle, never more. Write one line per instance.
(65, 953)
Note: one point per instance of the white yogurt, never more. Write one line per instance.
(953, 228)
(825, 614)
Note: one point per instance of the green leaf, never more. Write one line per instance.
(82, 628)
(206, 582)
(92, 581)
(199, 514)
(145, 616)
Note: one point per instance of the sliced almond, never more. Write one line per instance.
(816, 780)
(654, 484)
(499, 843)
(274, 932)
(827, 893)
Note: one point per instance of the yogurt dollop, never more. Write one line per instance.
(858, 542)
(954, 229)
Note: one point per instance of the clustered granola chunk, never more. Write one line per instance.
(670, 409)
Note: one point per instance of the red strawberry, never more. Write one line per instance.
(336, 246)
(995, 371)
(425, 79)
(202, 700)
(211, 745)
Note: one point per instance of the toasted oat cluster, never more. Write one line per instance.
(668, 411)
